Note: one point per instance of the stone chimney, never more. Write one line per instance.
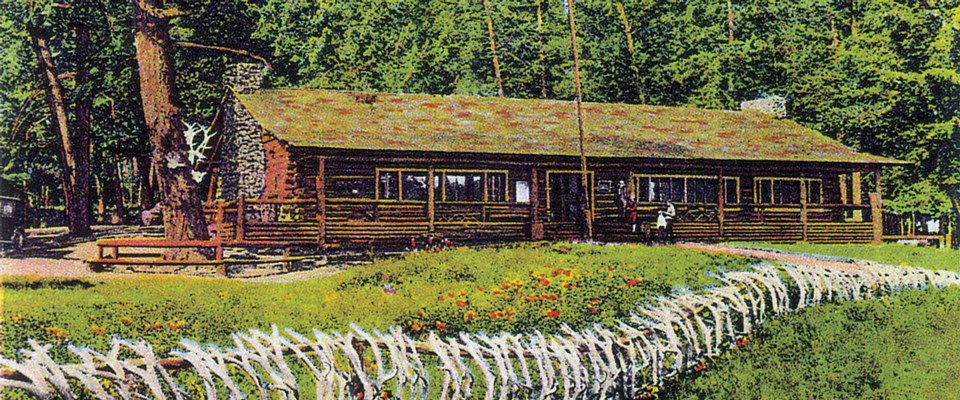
(244, 77)
(775, 105)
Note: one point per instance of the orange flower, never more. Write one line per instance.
(544, 282)
(97, 330)
(461, 303)
(441, 326)
(595, 301)
(468, 316)
(495, 314)
(567, 285)
(497, 291)
(175, 325)
(420, 313)
(416, 326)
(633, 282)
(552, 296)
(441, 298)
(480, 289)
(463, 294)
(699, 367)
(125, 320)
(742, 342)
(567, 272)
(17, 318)
(592, 309)
(553, 313)
(57, 333)
(508, 313)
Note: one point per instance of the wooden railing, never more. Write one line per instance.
(152, 252)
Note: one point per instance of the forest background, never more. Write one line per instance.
(880, 76)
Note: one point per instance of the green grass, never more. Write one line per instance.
(904, 347)
(512, 288)
(894, 254)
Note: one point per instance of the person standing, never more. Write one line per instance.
(661, 227)
(669, 216)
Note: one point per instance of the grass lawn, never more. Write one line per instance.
(903, 347)
(891, 253)
(513, 288)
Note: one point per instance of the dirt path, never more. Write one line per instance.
(848, 265)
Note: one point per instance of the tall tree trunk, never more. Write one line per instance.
(585, 198)
(76, 207)
(633, 65)
(118, 195)
(83, 112)
(730, 19)
(493, 48)
(146, 189)
(542, 53)
(183, 217)
(954, 193)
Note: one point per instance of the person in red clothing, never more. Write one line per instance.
(632, 213)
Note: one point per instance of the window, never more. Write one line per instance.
(688, 189)
(787, 190)
(389, 185)
(661, 189)
(463, 186)
(414, 186)
(496, 186)
(731, 191)
(702, 190)
(351, 187)
(523, 191)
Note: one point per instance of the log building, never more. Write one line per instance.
(342, 169)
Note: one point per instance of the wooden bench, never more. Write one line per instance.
(149, 251)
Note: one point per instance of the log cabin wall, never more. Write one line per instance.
(361, 211)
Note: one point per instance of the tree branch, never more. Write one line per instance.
(227, 50)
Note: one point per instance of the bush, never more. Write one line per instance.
(902, 348)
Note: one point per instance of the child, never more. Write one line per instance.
(661, 227)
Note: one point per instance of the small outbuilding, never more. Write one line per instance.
(337, 168)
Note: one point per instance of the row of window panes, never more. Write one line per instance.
(685, 190)
(447, 186)
(787, 191)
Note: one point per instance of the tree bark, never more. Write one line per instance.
(119, 195)
(76, 206)
(954, 193)
(493, 48)
(183, 217)
(83, 113)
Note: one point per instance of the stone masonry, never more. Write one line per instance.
(242, 158)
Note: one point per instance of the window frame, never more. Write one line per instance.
(804, 189)
(635, 179)
(440, 175)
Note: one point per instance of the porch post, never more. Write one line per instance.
(431, 199)
(721, 198)
(241, 217)
(876, 208)
(857, 197)
(803, 207)
(321, 201)
(536, 228)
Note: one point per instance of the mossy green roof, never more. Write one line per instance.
(430, 123)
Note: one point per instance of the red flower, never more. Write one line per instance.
(633, 282)
(441, 326)
(461, 303)
(545, 282)
(553, 313)
(593, 310)
(699, 367)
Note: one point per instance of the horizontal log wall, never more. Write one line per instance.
(365, 221)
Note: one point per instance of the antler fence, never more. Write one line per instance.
(661, 339)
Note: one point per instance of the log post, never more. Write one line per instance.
(857, 197)
(803, 206)
(213, 183)
(431, 199)
(876, 215)
(241, 217)
(536, 227)
(321, 201)
(721, 199)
